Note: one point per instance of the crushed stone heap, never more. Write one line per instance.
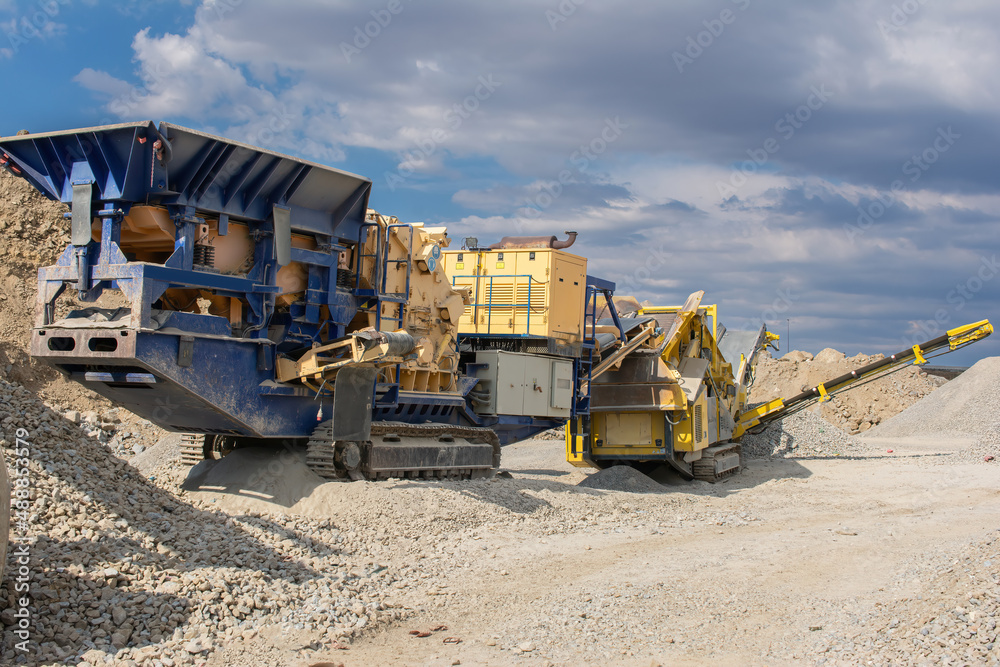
(144, 575)
(967, 406)
(622, 478)
(802, 434)
(856, 410)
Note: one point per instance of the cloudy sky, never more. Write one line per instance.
(828, 167)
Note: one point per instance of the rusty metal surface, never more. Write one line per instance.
(638, 369)
(636, 398)
(78, 345)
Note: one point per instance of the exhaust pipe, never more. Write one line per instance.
(525, 242)
(562, 245)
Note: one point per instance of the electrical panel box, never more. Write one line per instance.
(521, 292)
(525, 384)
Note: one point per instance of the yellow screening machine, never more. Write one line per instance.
(680, 394)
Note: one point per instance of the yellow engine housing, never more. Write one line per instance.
(533, 291)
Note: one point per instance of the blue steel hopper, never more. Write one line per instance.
(150, 208)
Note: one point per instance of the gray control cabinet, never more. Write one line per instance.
(525, 384)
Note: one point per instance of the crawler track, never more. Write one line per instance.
(193, 448)
(396, 449)
(718, 463)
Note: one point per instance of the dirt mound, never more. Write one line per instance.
(966, 406)
(802, 434)
(854, 411)
(622, 478)
(33, 233)
(34, 230)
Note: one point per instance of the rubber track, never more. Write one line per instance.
(704, 469)
(320, 451)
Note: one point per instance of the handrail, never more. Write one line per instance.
(490, 305)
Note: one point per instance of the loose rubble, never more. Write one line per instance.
(966, 406)
(955, 624)
(986, 449)
(803, 434)
(854, 411)
(622, 478)
(121, 568)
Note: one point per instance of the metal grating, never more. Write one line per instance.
(699, 433)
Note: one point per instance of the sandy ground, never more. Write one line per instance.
(790, 562)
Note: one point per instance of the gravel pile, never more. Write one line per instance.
(123, 570)
(124, 433)
(985, 450)
(966, 406)
(803, 434)
(166, 452)
(855, 410)
(275, 484)
(954, 624)
(622, 478)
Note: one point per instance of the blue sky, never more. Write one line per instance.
(830, 163)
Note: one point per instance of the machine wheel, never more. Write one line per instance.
(219, 446)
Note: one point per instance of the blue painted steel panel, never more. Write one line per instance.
(190, 168)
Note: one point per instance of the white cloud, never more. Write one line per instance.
(100, 81)
(274, 75)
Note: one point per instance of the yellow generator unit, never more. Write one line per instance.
(522, 287)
